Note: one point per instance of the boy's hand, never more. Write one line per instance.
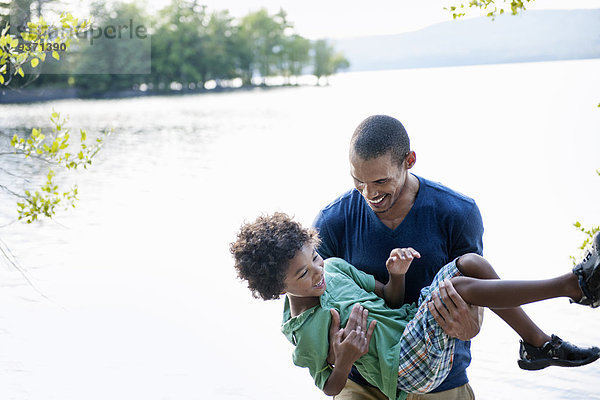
(400, 259)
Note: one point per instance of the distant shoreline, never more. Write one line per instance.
(39, 95)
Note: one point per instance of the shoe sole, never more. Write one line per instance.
(541, 364)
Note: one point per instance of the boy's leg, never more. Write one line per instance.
(481, 286)
(426, 351)
(489, 291)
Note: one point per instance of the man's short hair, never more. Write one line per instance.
(379, 134)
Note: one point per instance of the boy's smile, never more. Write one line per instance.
(305, 278)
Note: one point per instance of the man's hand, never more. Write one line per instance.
(457, 318)
(346, 345)
(357, 322)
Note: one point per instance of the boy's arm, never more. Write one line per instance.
(397, 265)
(348, 347)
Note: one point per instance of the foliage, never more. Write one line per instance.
(56, 151)
(493, 7)
(219, 46)
(266, 36)
(189, 46)
(327, 61)
(34, 43)
(31, 47)
(295, 55)
(103, 64)
(178, 45)
(588, 234)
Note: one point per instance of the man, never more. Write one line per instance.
(390, 208)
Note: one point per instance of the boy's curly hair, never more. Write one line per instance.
(263, 250)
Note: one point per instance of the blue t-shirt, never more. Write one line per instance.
(442, 225)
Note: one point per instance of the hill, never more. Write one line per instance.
(532, 36)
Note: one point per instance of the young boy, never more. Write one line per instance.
(403, 349)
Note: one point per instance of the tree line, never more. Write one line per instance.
(185, 46)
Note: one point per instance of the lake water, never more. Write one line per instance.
(141, 301)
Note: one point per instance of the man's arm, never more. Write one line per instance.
(347, 350)
(328, 246)
(457, 318)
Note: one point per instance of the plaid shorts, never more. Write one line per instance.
(426, 352)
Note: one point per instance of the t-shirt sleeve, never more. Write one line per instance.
(319, 369)
(469, 238)
(329, 244)
(312, 347)
(362, 279)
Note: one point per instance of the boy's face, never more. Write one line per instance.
(304, 276)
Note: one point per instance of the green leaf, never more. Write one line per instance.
(55, 55)
(35, 62)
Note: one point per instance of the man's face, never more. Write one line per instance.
(380, 180)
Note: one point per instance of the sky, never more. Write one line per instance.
(349, 18)
(315, 19)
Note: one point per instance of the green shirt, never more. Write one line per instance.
(309, 331)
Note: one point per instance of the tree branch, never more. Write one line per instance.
(9, 256)
(22, 153)
(7, 172)
(6, 189)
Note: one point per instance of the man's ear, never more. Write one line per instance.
(410, 159)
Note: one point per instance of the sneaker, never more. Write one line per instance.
(555, 352)
(588, 273)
